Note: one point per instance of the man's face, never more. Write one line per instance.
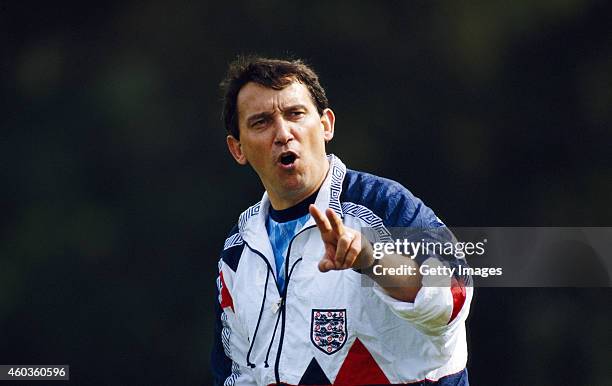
(283, 137)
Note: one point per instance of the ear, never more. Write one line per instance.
(328, 119)
(235, 148)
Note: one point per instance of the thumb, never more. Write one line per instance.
(326, 265)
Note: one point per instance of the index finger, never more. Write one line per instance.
(319, 218)
(336, 221)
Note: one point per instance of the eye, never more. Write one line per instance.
(258, 123)
(297, 113)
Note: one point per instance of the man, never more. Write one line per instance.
(299, 302)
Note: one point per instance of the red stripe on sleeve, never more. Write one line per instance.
(458, 291)
(226, 298)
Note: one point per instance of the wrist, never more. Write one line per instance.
(365, 260)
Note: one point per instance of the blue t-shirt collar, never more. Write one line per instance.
(298, 210)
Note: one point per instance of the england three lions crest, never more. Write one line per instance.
(328, 329)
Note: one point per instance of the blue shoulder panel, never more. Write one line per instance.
(389, 200)
(232, 248)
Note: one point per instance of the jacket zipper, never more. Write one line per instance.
(284, 302)
(282, 295)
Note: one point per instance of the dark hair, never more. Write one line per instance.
(272, 73)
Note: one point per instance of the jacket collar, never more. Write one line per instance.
(252, 222)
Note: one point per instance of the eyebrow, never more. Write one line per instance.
(257, 116)
(267, 114)
(296, 107)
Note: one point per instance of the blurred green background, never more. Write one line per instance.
(118, 189)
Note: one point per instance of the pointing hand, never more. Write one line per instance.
(343, 247)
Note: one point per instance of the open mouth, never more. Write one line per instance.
(287, 158)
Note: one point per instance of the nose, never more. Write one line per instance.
(283, 132)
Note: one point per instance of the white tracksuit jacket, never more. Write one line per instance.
(337, 327)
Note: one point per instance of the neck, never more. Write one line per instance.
(279, 202)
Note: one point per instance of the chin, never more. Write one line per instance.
(294, 186)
